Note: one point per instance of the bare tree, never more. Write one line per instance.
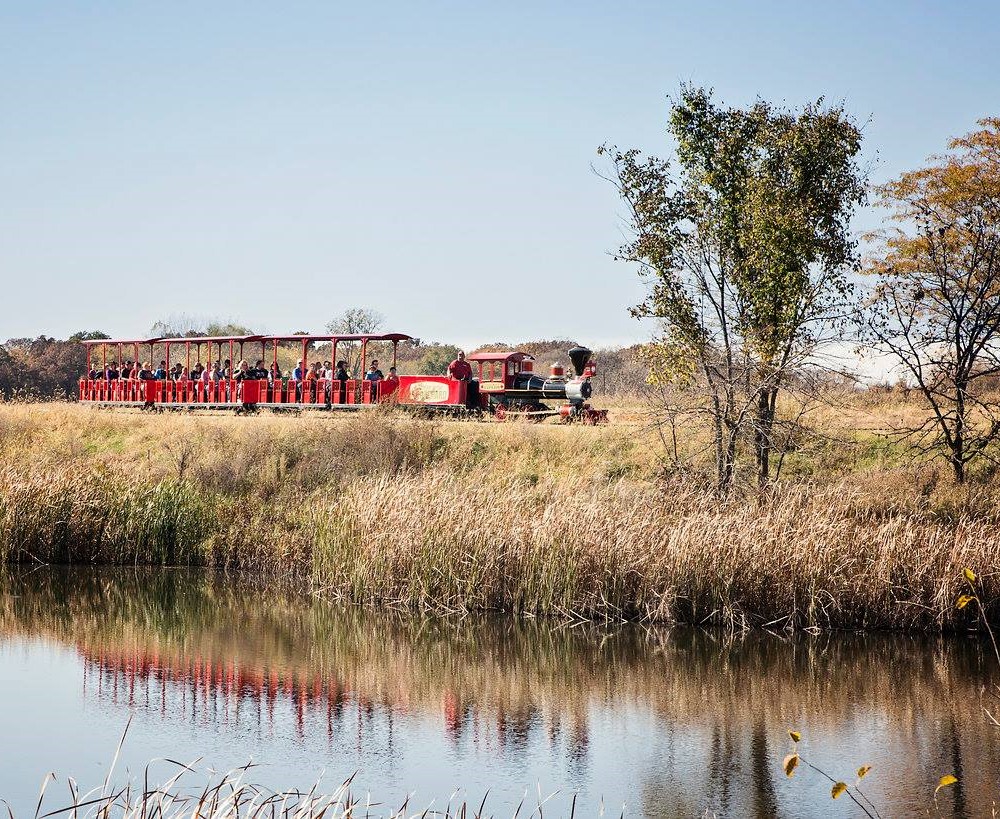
(936, 303)
(356, 321)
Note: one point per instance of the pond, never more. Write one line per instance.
(662, 722)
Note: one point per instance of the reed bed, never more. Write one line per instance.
(815, 559)
(233, 795)
(569, 522)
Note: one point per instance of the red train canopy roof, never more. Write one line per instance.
(500, 355)
(394, 337)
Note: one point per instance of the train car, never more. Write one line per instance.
(503, 383)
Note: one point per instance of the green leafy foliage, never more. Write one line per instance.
(745, 248)
(435, 358)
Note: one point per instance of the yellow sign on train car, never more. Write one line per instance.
(429, 392)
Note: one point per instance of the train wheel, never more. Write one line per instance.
(500, 413)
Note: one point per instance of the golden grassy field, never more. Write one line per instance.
(542, 519)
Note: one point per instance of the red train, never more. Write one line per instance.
(503, 384)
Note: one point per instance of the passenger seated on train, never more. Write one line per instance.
(313, 376)
(177, 372)
(243, 372)
(196, 371)
(216, 374)
(275, 374)
(373, 376)
(126, 373)
(95, 374)
(391, 382)
(326, 373)
(341, 376)
(298, 373)
(146, 372)
(111, 373)
(227, 369)
(161, 372)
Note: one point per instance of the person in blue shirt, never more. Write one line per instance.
(373, 376)
(298, 374)
(161, 372)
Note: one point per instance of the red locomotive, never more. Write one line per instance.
(502, 384)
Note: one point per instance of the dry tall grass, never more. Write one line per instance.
(542, 520)
(234, 795)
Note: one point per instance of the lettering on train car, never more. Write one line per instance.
(429, 392)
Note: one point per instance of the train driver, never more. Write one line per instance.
(460, 369)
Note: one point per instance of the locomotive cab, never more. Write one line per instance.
(508, 382)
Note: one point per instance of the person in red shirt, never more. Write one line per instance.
(460, 369)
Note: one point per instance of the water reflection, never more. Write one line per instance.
(675, 722)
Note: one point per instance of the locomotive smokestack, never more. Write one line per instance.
(579, 356)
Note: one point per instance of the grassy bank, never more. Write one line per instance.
(515, 517)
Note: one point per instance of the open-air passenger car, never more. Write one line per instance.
(503, 383)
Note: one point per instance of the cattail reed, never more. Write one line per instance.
(569, 522)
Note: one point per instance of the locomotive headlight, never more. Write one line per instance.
(579, 389)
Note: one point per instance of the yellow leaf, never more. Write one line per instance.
(837, 789)
(969, 575)
(795, 735)
(789, 763)
(863, 771)
(945, 781)
(964, 600)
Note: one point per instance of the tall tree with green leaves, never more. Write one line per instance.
(747, 248)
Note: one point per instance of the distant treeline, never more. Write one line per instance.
(42, 367)
(46, 367)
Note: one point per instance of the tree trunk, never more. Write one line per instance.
(958, 468)
(958, 434)
(763, 426)
(721, 485)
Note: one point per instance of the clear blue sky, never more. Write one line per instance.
(274, 163)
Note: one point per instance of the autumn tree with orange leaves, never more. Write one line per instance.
(936, 302)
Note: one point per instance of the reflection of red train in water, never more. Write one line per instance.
(140, 677)
(502, 383)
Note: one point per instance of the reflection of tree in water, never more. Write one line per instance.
(721, 706)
